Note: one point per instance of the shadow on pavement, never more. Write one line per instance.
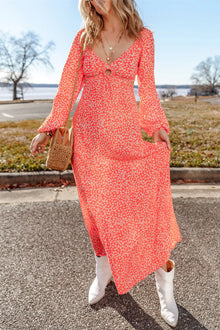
(132, 312)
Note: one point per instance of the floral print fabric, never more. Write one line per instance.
(123, 182)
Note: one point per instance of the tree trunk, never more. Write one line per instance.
(15, 91)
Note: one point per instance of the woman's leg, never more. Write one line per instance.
(167, 266)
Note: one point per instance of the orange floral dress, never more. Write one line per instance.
(123, 182)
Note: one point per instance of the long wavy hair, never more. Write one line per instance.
(93, 21)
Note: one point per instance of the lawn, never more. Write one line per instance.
(194, 137)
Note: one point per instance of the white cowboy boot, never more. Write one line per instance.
(103, 277)
(164, 285)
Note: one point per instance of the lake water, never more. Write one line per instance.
(37, 93)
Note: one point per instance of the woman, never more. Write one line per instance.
(123, 182)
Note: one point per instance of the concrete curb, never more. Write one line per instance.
(203, 175)
(36, 177)
(26, 101)
(195, 174)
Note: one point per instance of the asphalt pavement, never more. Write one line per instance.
(213, 100)
(39, 109)
(47, 265)
(29, 110)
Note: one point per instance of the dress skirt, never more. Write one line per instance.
(123, 182)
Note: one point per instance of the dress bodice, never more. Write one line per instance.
(111, 84)
(93, 65)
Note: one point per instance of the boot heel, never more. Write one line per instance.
(111, 279)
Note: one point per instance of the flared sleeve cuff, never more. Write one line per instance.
(151, 113)
(61, 102)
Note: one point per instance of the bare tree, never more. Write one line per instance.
(18, 55)
(171, 92)
(207, 77)
(168, 93)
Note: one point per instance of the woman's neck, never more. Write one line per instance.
(112, 23)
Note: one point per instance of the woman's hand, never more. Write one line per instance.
(39, 143)
(160, 136)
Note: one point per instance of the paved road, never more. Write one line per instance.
(47, 265)
(30, 110)
(213, 100)
(40, 109)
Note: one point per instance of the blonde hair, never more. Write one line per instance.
(93, 21)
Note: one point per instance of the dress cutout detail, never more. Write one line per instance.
(123, 182)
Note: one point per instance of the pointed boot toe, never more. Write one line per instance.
(170, 317)
(96, 291)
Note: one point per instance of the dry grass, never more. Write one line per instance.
(194, 136)
(194, 133)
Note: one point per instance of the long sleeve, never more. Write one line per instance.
(151, 113)
(61, 102)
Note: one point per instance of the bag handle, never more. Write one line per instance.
(70, 107)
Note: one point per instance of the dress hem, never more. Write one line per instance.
(121, 292)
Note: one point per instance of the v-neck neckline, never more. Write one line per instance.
(118, 58)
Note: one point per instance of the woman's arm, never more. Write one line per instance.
(61, 102)
(151, 113)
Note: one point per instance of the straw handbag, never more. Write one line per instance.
(61, 146)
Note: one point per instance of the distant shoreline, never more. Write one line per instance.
(48, 93)
(26, 101)
(136, 86)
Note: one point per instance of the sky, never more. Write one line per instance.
(186, 32)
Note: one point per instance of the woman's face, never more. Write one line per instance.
(106, 3)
